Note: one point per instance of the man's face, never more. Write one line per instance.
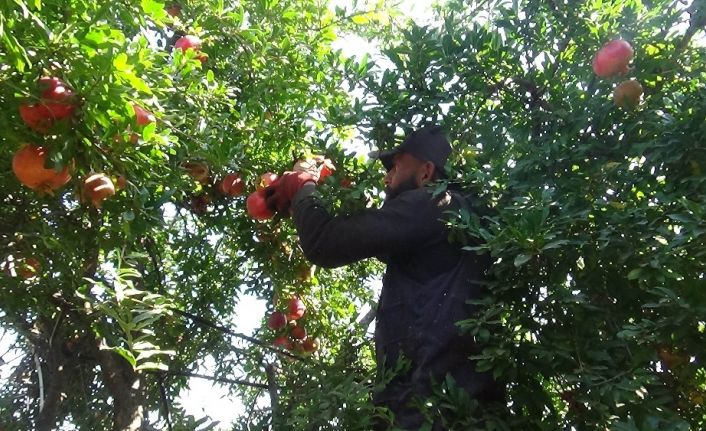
(403, 175)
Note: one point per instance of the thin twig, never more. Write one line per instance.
(213, 379)
(228, 331)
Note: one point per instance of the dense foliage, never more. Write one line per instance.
(596, 313)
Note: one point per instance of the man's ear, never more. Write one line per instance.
(426, 173)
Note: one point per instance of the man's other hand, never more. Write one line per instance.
(279, 194)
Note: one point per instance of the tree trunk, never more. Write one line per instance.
(54, 371)
(127, 389)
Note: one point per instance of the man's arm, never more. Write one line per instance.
(407, 223)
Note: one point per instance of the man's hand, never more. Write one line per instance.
(318, 166)
(279, 194)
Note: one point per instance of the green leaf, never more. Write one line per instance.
(125, 353)
(153, 8)
(120, 62)
(521, 259)
(634, 274)
(360, 19)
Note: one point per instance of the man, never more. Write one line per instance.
(428, 280)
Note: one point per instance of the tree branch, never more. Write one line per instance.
(272, 389)
(223, 329)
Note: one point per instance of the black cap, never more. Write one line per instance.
(428, 144)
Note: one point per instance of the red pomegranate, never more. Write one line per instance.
(143, 117)
(97, 188)
(311, 345)
(298, 332)
(56, 103)
(257, 206)
(276, 321)
(232, 185)
(296, 308)
(613, 58)
(28, 268)
(191, 42)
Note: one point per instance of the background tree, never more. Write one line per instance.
(596, 316)
(596, 312)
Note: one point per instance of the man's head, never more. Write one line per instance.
(419, 160)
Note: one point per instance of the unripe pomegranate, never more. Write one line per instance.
(628, 94)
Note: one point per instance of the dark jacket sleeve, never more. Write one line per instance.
(407, 223)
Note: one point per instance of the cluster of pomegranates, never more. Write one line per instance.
(320, 168)
(612, 60)
(289, 330)
(56, 103)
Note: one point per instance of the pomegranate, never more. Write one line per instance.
(283, 342)
(310, 345)
(199, 204)
(188, 42)
(197, 170)
(232, 185)
(56, 103)
(174, 10)
(613, 58)
(628, 94)
(296, 308)
(97, 188)
(143, 117)
(276, 321)
(298, 332)
(121, 182)
(326, 169)
(28, 268)
(266, 180)
(28, 165)
(257, 206)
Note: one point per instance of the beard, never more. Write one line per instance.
(406, 185)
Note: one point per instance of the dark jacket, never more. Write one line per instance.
(425, 288)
